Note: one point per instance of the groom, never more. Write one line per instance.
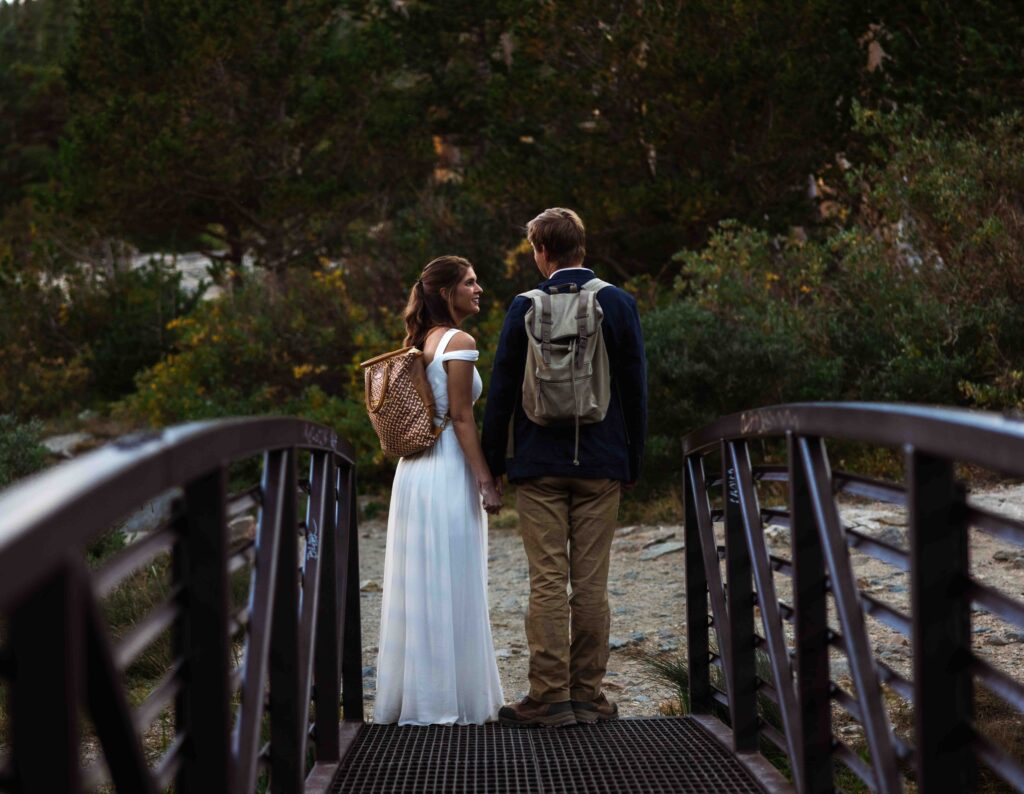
(567, 498)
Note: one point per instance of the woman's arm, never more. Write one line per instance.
(460, 409)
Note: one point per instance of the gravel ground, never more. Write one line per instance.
(648, 600)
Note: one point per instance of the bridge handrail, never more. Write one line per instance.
(946, 746)
(106, 484)
(985, 439)
(300, 628)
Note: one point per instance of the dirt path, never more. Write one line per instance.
(648, 601)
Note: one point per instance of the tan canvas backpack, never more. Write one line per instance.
(567, 379)
(400, 402)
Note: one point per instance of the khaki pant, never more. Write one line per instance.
(567, 525)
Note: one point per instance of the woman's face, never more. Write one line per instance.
(466, 298)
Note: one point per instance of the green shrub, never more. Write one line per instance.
(20, 450)
(918, 298)
(75, 335)
(287, 345)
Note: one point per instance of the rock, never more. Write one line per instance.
(150, 516)
(641, 699)
(995, 639)
(631, 576)
(660, 539)
(626, 544)
(668, 647)
(892, 520)
(638, 636)
(660, 551)
(242, 527)
(618, 643)
(981, 629)
(623, 531)
(503, 653)
(1014, 636)
(616, 592)
(891, 535)
(1004, 556)
(666, 634)
(370, 586)
(67, 445)
(368, 672)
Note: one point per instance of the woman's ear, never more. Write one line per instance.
(443, 292)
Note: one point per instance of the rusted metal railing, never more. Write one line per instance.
(738, 575)
(259, 631)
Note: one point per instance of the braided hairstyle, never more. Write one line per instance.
(427, 307)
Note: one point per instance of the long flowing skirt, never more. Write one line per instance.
(436, 663)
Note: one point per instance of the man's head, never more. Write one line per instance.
(558, 239)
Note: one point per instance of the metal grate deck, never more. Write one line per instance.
(632, 755)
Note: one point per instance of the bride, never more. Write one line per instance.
(436, 662)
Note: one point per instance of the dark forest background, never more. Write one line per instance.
(810, 200)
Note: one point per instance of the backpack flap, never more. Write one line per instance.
(566, 379)
(400, 402)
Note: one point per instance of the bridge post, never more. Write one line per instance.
(48, 643)
(286, 767)
(741, 674)
(203, 708)
(351, 630)
(939, 572)
(814, 715)
(327, 658)
(697, 645)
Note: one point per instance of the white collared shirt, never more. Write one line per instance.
(563, 269)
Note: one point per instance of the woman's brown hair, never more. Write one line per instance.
(427, 308)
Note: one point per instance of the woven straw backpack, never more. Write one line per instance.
(400, 402)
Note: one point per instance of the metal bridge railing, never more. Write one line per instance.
(236, 670)
(737, 571)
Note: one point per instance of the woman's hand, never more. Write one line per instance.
(491, 496)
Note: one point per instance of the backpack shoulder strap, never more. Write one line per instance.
(531, 294)
(595, 285)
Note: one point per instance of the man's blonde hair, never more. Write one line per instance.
(561, 233)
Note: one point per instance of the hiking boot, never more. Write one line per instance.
(591, 711)
(528, 713)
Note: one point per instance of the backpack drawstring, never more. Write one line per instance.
(575, 405)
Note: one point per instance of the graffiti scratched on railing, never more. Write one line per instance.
(753, 423)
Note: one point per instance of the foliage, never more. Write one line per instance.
(287, 344)
(236, 126)
(960, 63)
(653, 119)
(917, 300)
(75, 334)
(21, 453)
(33, 106)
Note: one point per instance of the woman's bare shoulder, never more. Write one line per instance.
(461, 341)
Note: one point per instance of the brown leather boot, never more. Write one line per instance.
(591, 711)
(529, 713)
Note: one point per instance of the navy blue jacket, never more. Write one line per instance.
(610, 449)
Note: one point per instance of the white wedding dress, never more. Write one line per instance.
(436, 663)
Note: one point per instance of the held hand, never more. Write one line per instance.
(491, 495)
